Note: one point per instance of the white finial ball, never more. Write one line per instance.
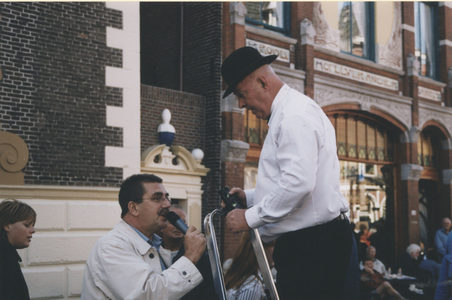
(166, 115)
(198, 154)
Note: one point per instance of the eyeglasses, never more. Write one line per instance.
(160, 198)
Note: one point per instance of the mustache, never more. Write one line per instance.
(164, 212)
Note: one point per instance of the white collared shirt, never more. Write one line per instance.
(298, 178)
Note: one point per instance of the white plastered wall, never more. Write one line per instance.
(69, 222)
(127, 78)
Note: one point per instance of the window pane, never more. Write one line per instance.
(341, 149)
(380, 144)
(359, 29)
(424, 38)
(362, 152)
(270, 13)
(253, 128)
(371, 141)
(351, 136)
(253, 10)
(344, 26)
(353, 28)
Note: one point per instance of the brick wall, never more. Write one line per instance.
(53, 93)
(187, 117)
(160, 64)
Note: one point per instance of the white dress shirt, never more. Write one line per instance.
(123, 266)
(298, 176)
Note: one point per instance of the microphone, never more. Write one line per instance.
(177, 222)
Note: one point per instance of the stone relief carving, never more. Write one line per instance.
(411, 172)
(390, 55)
(326, 95)
(13, 158)
(326, 36)
(443, 116)
(234, 151)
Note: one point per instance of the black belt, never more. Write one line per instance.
(342, 216)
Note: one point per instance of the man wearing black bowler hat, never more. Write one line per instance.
(297, 199)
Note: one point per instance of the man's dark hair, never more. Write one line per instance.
(132, 190)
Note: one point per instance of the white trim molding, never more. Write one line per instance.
(127, 78)
(408, 28)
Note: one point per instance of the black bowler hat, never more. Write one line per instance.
(241, 63)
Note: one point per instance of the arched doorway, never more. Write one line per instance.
(430, 210)
(366, 147)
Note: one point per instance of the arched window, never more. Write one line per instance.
(256, 129)
(362, 139)
(426, 151)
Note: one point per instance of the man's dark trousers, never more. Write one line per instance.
(317, 263)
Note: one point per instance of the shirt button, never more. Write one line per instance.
(184, 273)
(151, 255)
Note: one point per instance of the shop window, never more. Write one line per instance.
(255, 129)
(271, 15)
(356, 27)
(426, 152)
(362, 139)
(426, 38)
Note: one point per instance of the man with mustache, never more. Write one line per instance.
(297, 200)
(173, 248)
(125, 263)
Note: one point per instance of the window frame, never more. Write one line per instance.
(370, 32)
(435, 33)
(286, 22)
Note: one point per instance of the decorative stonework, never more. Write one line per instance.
(412, 65)
(390, 55)
(267, 49)
(429, 94)
(411, 172)
(234, 151)
(355, 74)
(176, 159)
(432, 112)
(329, 92)
(13, 158)
(293, 78)
(181, 175)
(237, 11)
(447, 177)
(307, 32)
(411, 136)
(326, 36)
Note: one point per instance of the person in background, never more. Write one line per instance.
(441, 238)
(408, 261)
(125, 263)
(17, 221)
(378, 265)
(372, 281)
(430, 264)
(172, 249)
(444, 286)
(243, 280)
(364, 234)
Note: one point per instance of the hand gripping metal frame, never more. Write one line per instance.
(217, 270)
